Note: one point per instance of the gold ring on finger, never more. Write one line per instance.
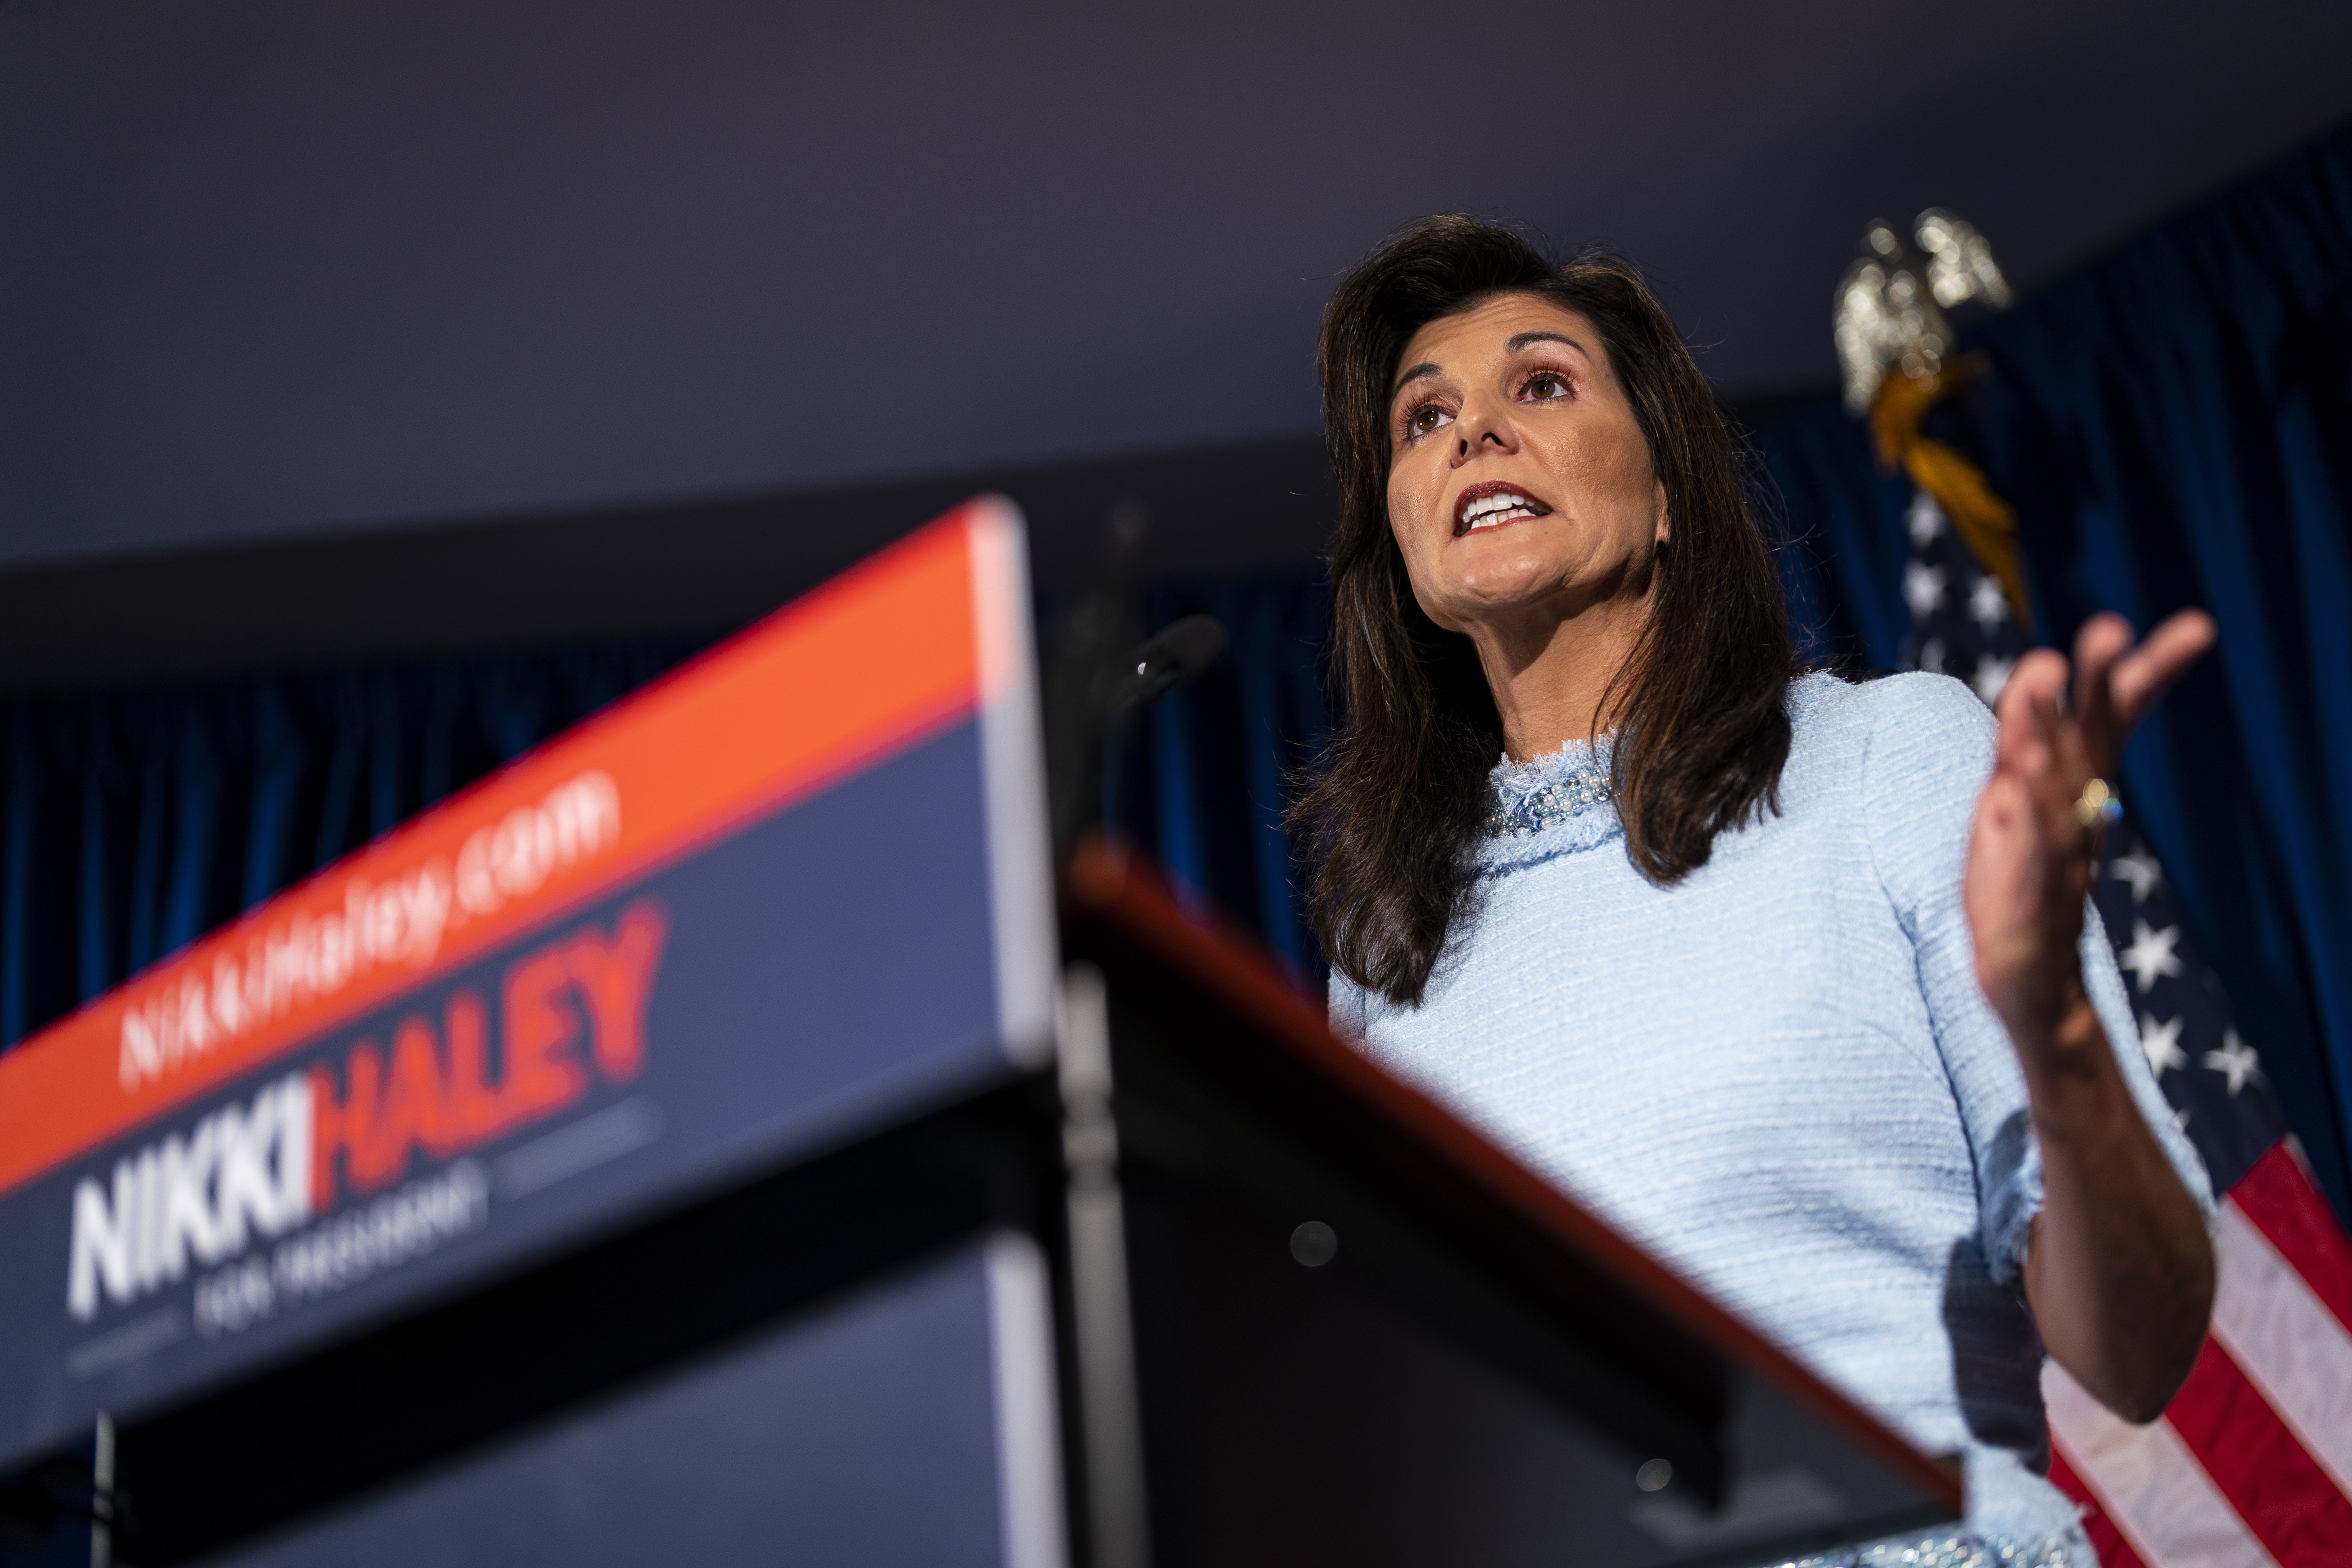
(2097, 806)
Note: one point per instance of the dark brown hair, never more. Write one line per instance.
(1395, 815)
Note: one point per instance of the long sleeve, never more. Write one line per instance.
(1929, 756)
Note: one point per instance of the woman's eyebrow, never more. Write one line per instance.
(1522, 340)
(1426, 367)
(1518, 342)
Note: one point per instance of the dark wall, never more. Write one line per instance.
(277, 268)
(636, 575)
(644, 574)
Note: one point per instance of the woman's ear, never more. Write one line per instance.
(1666, 515)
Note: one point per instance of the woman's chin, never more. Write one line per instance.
(1504, 586)
(1500, 612)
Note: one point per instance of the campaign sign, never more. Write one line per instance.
(794, 890)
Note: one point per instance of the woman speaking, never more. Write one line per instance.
(1786, 976)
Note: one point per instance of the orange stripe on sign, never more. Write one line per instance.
(866, 666)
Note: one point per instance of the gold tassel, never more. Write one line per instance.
(1986, 524)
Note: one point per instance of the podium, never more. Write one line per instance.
(717, 1136)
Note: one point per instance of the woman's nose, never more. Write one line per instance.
(1480, 427)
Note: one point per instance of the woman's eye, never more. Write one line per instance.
(1545, 385)
(1425, 418)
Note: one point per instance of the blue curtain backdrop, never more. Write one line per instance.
(1205, 776)
(2174, 424)
(135, 822)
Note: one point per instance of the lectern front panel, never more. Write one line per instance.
(910, 1421)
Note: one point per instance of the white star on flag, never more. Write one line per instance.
(1992, 674)
(1931, 656)
(1987, 605)
(2162, 1044)
(1923, 586)
(2139, 868)
(1926, 518)
(2235, 1060)
(2150, 955)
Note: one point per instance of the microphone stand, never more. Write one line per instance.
(1100, 668)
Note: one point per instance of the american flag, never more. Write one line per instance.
(2251, 1464)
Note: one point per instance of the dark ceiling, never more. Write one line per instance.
(276, 267)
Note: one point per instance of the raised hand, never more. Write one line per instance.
(2030, 857)
(2119, 1271)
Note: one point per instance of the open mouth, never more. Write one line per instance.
(1493, 504)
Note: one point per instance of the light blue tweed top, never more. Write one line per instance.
(1781, 1075)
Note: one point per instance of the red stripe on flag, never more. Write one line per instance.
(2279, 1196)
(2113, 1551)
(2286, 1500)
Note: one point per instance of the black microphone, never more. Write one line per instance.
(1169, 657)
(1097, 671)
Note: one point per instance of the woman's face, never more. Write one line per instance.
(1519, 485)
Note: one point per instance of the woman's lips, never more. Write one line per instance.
(1494, 504)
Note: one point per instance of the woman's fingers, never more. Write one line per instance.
(2002, 848)
(2024, 711)
(2162, 658)
(2042, 750)
(2113, 683)
(2028, 863)
(2003, 890)
(2103, 641)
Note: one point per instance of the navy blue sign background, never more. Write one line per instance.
(867, 1432)
(826, 970)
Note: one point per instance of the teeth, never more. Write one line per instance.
(1501, 501)
(1491, 511)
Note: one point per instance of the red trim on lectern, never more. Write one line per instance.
(1106, 879)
